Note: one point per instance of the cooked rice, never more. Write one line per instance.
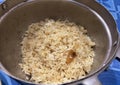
(55, 52)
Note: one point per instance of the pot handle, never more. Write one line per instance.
(118, 51)
(91, 81)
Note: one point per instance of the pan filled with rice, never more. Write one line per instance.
(56, 41)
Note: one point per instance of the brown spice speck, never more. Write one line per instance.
(70, 56)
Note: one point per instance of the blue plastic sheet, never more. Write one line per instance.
(1, 1)
(6, 80)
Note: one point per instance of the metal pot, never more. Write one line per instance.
(88, 13)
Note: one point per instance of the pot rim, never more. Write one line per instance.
(95, 73)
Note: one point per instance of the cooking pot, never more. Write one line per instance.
(16, 15)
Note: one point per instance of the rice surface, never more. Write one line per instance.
(55, 52)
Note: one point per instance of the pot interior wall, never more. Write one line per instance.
(15, 23)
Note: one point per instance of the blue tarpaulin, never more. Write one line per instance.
(1, 1)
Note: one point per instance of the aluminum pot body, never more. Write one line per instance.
(88, 13)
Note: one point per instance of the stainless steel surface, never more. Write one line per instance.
(99, 23)
(8, 4)
(118, 51)
(0, 82)
(91, 81)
